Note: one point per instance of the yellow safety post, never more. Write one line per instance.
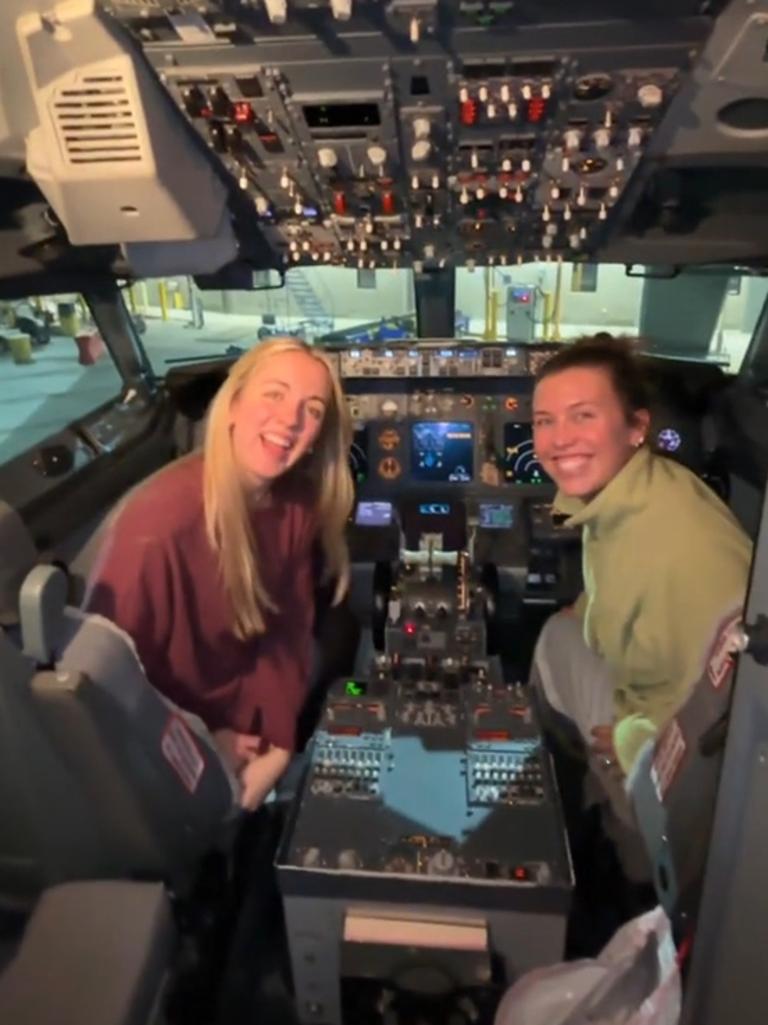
(178, 300)
(69, 322)
(21, 348)
(546, 317)
(162, 291)
(132, 299)
(557, 301)
(491, 307)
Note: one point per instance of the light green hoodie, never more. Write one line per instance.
(665, 563)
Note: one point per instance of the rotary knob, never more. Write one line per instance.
(311, 858)
(376, 154)
(649, 95)
(327, 157)
(349, 860)
(421, 149)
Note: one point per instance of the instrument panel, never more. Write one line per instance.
(442, 414)
(417, 133)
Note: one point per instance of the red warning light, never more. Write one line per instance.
(536, 109)
(492, 735)
(520, 873)
(409, 628)
(468, 112)
(339, 203)
(243, 112)
(387, 203)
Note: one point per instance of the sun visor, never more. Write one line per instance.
(110, 153)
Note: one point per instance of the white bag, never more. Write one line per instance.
(634, 981)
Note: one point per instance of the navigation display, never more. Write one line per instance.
(442, 450)
(373, 514)
(520, 464)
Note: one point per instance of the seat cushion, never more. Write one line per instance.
(92, 952)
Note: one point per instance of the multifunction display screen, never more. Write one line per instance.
(442, 450)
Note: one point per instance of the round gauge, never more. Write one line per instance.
(511, 403)
(389, 468)
(590, 165)
(592, 87)
(389, 439)
(668, 439)
(442, 863)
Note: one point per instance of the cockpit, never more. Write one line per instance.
(439, 197)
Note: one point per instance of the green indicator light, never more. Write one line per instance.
(353, 689)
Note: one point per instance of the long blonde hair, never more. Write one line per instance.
(325, 469)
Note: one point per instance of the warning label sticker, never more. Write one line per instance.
(670, 750)
(721, 656)
(181, 751)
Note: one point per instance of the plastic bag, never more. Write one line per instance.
(634, 981)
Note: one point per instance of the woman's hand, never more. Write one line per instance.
(260, 774)
(602, 746)
(237, 749)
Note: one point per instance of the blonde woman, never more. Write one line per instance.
(210, 565)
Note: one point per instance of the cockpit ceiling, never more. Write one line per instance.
(418, 134)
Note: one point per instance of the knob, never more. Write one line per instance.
(602, 137)
(349, 859)
(327, 157)
(342, 9)
(276, 11)
(376, 154)
(421, 127)
(421, 149)
(572, 139)
(649, 95)
(311, 858)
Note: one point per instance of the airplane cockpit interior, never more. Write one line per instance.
(440, 196)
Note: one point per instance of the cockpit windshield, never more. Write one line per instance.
(706, 315)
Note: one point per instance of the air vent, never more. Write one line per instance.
(96, 123)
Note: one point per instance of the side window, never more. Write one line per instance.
(54, 368)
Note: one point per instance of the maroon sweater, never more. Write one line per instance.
(158, 579)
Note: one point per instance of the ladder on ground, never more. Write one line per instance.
(304, 296)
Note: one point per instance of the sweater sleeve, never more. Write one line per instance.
(673, 637)
(131, 586)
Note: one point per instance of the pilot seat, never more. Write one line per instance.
(100, 777)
